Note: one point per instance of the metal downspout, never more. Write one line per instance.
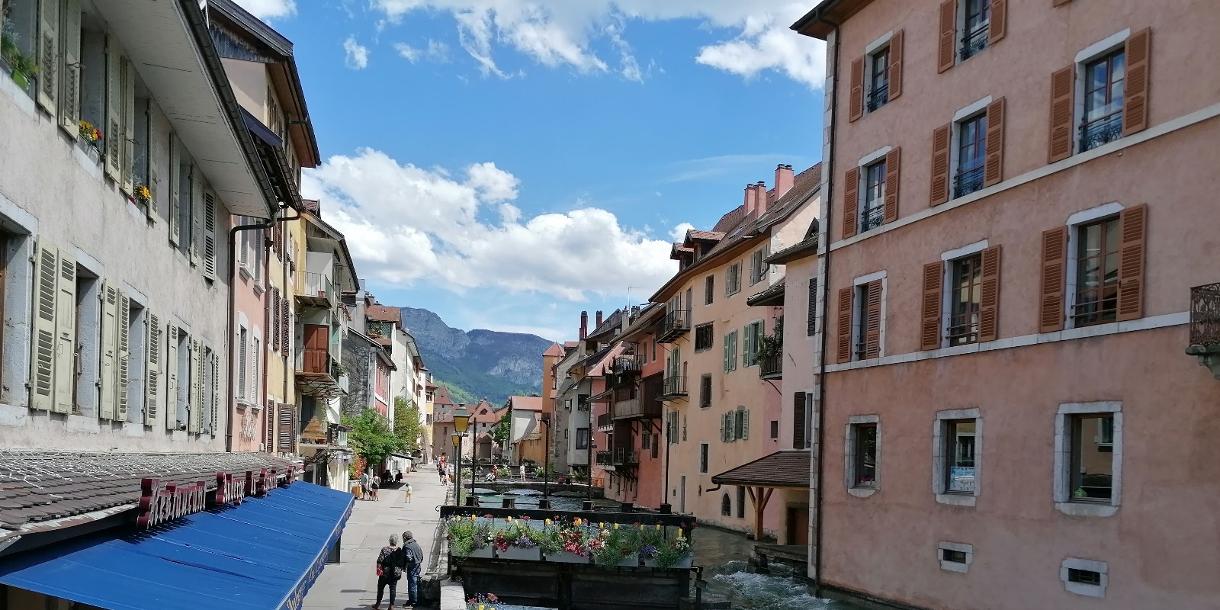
(232, 264)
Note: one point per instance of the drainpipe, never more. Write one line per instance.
(265, 224)
(267, 242)
(284, 282)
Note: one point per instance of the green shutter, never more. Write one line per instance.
(745, 424)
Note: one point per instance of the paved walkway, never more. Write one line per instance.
(352, 583)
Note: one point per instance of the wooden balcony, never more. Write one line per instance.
(637, 408)
(771, 367)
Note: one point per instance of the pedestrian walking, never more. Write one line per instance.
(412, 562)
(376, 484)
(389, 570)
(407, 492)
(365, 485)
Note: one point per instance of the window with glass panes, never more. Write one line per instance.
(965, 299)
(1092, 466)
(959, 468)
(1097, 258)
(860, 331)
(976, 26)
(872, 213)
(865, 455)
(1104, 85)
(971, 152)
(879, 79)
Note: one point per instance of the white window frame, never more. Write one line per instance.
(1086, 55)
(1080, 588)
(949, 258)
(849, 456)
(954, 566)
(855, 312)
(965, 113)
(1074, 222)
(880, 44)
(940, 460)
(1063, 460)
(959, 30)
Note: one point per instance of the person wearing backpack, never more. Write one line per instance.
(389, 570)
(413, 561)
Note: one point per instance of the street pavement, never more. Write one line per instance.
(352, 583)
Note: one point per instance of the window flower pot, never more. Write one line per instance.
(520, 554)
(566, 557)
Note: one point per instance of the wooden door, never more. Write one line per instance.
(317, 342)
(798, 525)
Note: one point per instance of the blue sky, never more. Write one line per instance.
(507, 164)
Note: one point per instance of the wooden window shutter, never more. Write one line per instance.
(989, 307)
(1062, 88)
(895, 67)
(798, 420)
(286, 328)
(195, 233)
(109, 352)
(946, 48)
(65, 333)
(112, 131)
(171, 377)
(939, 192)
(998, 26)
(929, 312)
(48, 55)
(993, 165)
(209, 235)
(892, 182)
(811, 320)
(844, 330)
(175, 181)
(1135, 106)
(856, 95)
(745, 423)
(42, 357)
(127, 75)
(285, 425)
(122, 355)
(215, 393)
(1133, 223)
(1054, 253)
(69, 92)
(270, 416)
(872, 331)
(851, 201)
(193, 399)
(152, 374)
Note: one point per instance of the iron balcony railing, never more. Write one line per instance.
(627, 364)
(771, 366)
(1205, 315)
(625, 457)
(604, 422)
(674, 385)
(878, 97)
(968, 181)
(675, 324)
(873, 216)
(1101, 130)
(604, 458)
(974, 41)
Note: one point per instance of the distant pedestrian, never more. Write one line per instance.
(407, 492)
(365, 484)
(376, 484)
(413, 562)
(389, 570)
(398, 478)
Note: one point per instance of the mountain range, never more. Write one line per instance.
(477, 363)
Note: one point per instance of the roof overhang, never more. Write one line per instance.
(799, 250)
(782, 469)
(826, 16)
(676, 282)
(773, 296)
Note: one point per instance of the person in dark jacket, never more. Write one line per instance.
(389, 570)
(413, 563)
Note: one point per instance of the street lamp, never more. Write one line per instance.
(545, 419)
(461, 421)
(457, 449)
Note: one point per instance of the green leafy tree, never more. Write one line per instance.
(500, 432)
(371, 437)
(406, 423)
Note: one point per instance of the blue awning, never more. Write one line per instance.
(263, 554)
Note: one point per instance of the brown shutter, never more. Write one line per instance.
(851, 199)
(798, 420)
(998, 26)
(1133, 222)
(270, 415)
(856, 95)
(940, 165)
(845, 324)
(993, 166)
(1062, 84)
(1135, 106)
(892, 160)
(872, 332)
(947, 45)
(895, 69)
(929, 328)
(1050, 308)
(989, 309)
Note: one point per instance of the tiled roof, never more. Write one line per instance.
(383, 313)
(526, 403)
(610, 324)
(780, 469)
(772, 295)
(442, 396)
(43, 490)
(707, 235)
(553, 350)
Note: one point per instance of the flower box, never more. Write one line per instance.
(483, 553)
(630, 561)
(684, 563)
(566, 557)
(520, 554)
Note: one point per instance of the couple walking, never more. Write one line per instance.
(395, 562)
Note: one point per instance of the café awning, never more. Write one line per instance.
(263, 554)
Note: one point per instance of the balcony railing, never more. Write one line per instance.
(627, 364)
(968, 181)
(1100, 131)
(625, 457)
(675, 324)
(878, 97)
(604, 458)
(974, 41)
(604, 422)
(674, 385)
(318, 290)
(1205, 316)
(771, 366)
(872, 216)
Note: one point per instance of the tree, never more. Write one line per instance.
(371, 437)
(406, 423)
(500, 432)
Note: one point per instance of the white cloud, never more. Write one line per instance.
(434, 51)
(562, 32)
(356, 55)
(269, 9)
(405, 223)
(678, 233)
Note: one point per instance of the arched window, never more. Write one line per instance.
(726, 506)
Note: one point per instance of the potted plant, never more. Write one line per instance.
(567, 544)
(469, 537)
(651, 541)
(518, 540)
(482, 601)
(21, 67)
(619, 548)
(675, 553)
(143, 194)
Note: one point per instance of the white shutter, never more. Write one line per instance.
(171, 377)
(194, 416)
(48, 55)
(109, 352)
(209, 235)
(42, 353)
(174, 181)
(69, 92)
(113, 129)
(122, 355)
(65, 334)
(152, 370)
(215, 427)
(128, 91)
(747, 339)
(196, 230)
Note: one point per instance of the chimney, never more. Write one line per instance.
(751, 198)
(599, 320)
(584, 325)
(783, 180)
(761, 190)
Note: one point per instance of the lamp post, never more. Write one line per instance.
(456, 439)
(546, 455)
(461, 420)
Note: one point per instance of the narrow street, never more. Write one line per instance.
(352, 583)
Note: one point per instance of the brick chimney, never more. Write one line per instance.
(584, 325)
(599, 319)
(761, 192)
(751, 198)
(783, 180)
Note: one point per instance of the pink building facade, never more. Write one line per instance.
(1020, 201)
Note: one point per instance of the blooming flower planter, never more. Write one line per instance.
(630, 561)
(483, 553)
(566, 557)
(519, 554)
